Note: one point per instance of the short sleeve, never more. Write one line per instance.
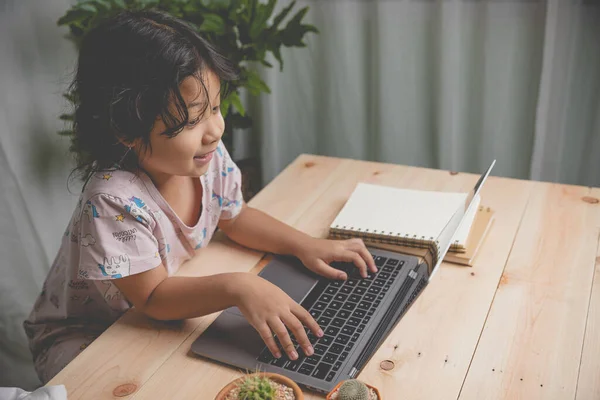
(115, 238)
(230, 185)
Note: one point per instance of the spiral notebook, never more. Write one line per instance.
(402, 217)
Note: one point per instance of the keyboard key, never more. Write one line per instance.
(365, 305)
(388, 268)
(337, 322)
(371, 312)
(352, 282)
(337, 366)
(335, 305)
(360, 328)
(335, 283)
(280, 362)
(343, 314)
(346, 290)
(354, 337)
(314, 359)
(364, 284)
(379, 261)
(366, 319)
(354, 298)
(384, 275)
(319, 306)
(332, 331)
(359, 313)
(395, 274)
(376, 282)
(359, 290)
(293, 365)
(321, 371)
(376, 303)
(381, 296)
(393, 262)
(341, 297)
(315, 313)
(330, 358)
(326, 340)
(331, 290)
(325, 298)
(348, 330)
(336, 348)
(343, 356)
(349, 306)
(320, 349)
(330, 376)
(374, 289)
(323, 321)
(342, 339)
(349, 346)
(369, 297)
(266, 356)
(354, 322)
(306, 369)
(330, 313)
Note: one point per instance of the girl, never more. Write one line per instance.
(158, 183)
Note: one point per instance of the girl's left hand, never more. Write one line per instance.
(316, 254)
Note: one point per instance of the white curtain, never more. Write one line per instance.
(446, 84)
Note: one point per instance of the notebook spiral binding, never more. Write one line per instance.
(393, 238)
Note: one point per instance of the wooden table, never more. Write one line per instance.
(523, 323)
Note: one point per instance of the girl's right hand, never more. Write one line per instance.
(269, 309)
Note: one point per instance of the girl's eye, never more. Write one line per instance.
(193, 122)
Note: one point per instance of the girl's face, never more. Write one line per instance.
(189, 153)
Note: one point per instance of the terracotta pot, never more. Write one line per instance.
(284, 380)
(340, 384)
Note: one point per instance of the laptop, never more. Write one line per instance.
(356, 315)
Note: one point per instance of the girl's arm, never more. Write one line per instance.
(255, 229)
(266, 307)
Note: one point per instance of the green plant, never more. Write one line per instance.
(256, 387)
(353, 389)
(244, 31)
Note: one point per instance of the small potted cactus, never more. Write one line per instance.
(261, 386)
(353, 389)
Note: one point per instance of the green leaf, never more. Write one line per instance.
(225, 103)
(104, 4)
(67, 117)
(119, 3)
(254, 84)
(148, 3)
(259, 23)
(212, 23)
(65, 133)
(237, 103)
(277, 54)
(73, 16)
(266, 63)
(282, 15)
(88, 7)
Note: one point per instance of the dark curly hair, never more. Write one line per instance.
(128, 75)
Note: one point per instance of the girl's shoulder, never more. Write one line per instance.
(116, 183)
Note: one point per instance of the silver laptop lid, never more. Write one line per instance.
(447, 235)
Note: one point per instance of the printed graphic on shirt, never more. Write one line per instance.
(226, 171)
(78, 284)
(90, 211)
(104, 176)
(116, 267)
(111, 292)
(88, 240)
(135, 208)
(120, 217)
(125, 236)
(199, 239)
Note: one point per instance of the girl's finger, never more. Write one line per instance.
(293, 324)
(267, 336)
(326, 270)
(353, 257)
(284, 337)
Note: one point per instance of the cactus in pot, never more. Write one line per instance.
(256, 388)
(353, 389)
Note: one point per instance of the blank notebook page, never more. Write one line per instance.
(400, 212)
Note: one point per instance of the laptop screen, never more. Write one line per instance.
(447, 235)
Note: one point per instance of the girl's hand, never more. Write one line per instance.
(269, 309)
(316, 254)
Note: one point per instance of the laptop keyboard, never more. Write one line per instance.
(342, 309)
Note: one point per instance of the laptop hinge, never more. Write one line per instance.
(353, 372)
